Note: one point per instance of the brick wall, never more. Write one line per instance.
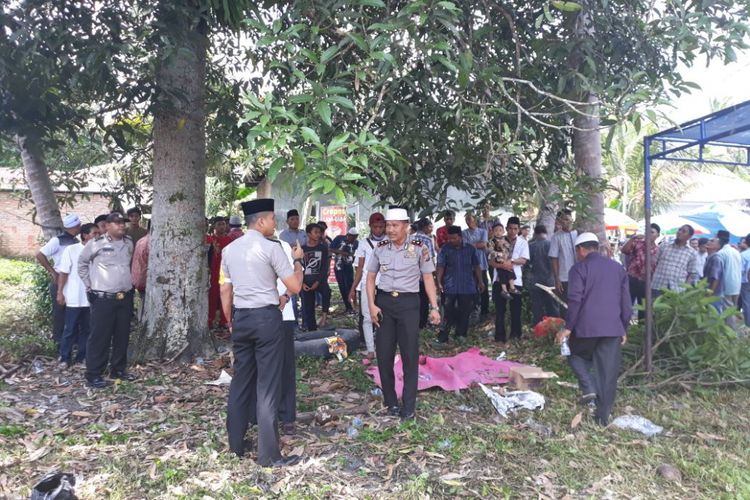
(20, 237)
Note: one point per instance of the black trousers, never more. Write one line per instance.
(457, 311)
(110, 330)
(604, 355)
(542, 305)
(638, 294)
(484, 297)
(398, 327)
(58, 314)
(515, 315)
(288, 398)
(564, 297)
(345, 279)
(258, 366)
(424, 306)
(308, 305)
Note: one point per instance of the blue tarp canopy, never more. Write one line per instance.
(728, 129)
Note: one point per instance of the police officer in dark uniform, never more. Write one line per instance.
(104, 268)
(250, 266)
(394, 307)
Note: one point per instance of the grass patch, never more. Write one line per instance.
(12, 431)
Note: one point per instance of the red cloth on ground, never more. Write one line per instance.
(452, 373)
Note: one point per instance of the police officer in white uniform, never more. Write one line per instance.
(394, 307)
(104, 268)
(250, 266)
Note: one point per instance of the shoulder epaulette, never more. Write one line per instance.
(100, 237)
(274, 240)
(384, 242)
(417, 242)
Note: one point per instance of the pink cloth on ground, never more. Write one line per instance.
(452, 373)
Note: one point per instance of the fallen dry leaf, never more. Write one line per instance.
(576, 420)
(37, 454)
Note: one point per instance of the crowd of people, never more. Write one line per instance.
(400, 276)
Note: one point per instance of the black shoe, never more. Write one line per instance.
(440, 345)
(288, 428)
(506, 295)
(287, 461)
(394, 411)
(129, 377)
(98, 383)
(407, 417)
(587, 399)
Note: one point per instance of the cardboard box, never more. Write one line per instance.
(528, 377)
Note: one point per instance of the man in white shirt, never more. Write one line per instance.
(519, 257)
(49, 258)
(362, 257)
(71, 294)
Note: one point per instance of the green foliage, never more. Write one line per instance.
(41, 300)
(692, 341)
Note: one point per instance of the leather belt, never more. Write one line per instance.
(398, 294)
(108, 295)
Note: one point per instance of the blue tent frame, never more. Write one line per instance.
(728, 128)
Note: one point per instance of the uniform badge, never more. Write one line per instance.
(410, 252)
(383, 268)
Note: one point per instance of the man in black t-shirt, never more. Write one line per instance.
(317, 260)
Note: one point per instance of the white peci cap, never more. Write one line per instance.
(71, 220)
(353, 231)
(397, 214)
(586, 238)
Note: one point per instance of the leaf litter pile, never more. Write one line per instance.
(163, 436)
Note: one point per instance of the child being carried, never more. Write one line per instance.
(500, 251)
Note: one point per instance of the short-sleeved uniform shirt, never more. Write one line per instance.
(252, 264)
(732, 279)
(104, 264)
(402, 267)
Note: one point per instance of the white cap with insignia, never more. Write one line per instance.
(396, 213)
(353, 231)
(70, 221)
(586, 238)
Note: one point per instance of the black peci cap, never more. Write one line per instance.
(454, 230)
(100, 218)
(115, 217)
(292, 213)
(257, 206)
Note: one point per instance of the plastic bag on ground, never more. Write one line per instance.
(224, 379)
(511, 401)
(55, 486)
(637, 423)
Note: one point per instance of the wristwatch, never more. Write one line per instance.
(433, 308)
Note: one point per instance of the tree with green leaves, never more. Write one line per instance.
(59, 65)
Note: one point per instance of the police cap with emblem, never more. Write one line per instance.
(257, 206)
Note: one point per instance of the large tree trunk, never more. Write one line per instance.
(37, 178)
(176, 310)
(587, 153)
(587, 146)
(265, 189)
